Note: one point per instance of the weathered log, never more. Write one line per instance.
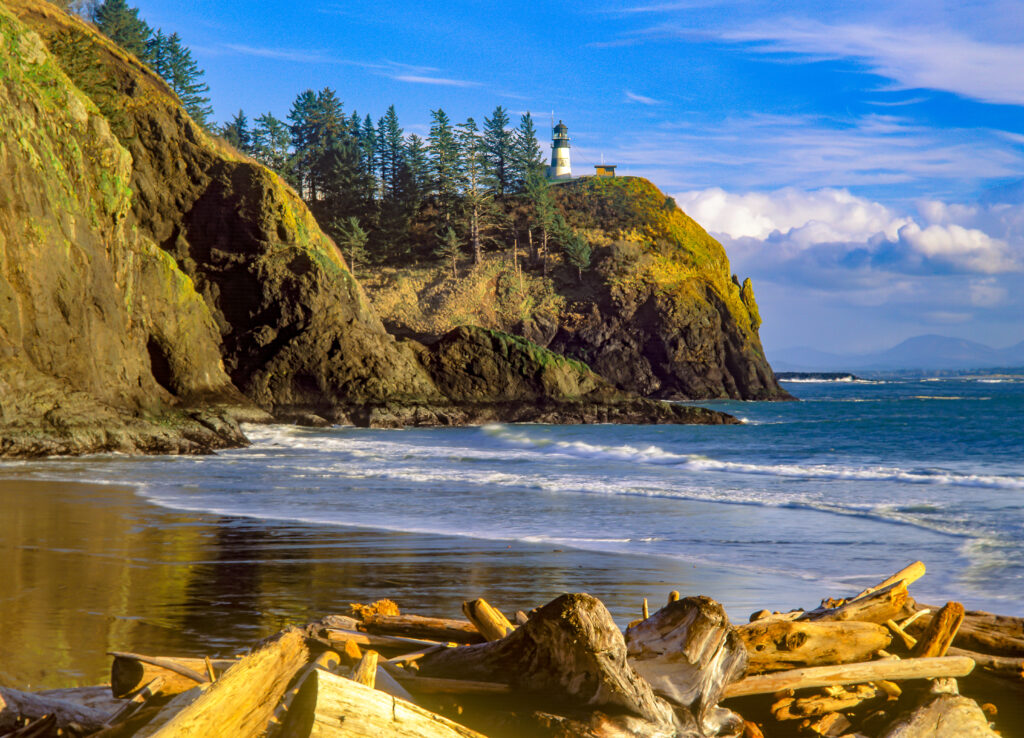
(688, 652)
(41, 728)
(569, 655)
(782, 644)
(416, 626)
(1005, 666)
(941, 631)
(136, 702)
(490, 623)
(436, 685)
(366, 670)
(943, 716)
(241, 703)
(908, 640)
(868, 671)
(337, 638)
(169, 711)
(130, 671)
(876, 607)
(834, 699)
(15, 704)
(908, 575)
(999, 635)
(389, 685)
(329, 706)
(97, 697)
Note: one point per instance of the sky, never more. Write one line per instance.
(862, 162)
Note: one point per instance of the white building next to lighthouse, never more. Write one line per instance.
(560, 168)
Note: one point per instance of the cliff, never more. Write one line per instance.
(657, 313)
(157, 287)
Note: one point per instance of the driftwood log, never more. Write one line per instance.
(869, 671)
(877, 606)
(688, 653)
(15, 704)
(940, 632)
(130, 672)
(984, 632)
(773, 645)
(330, 706)
(241, 703)
(489, 622)
(416, 626)
(943, 716)
(568, 656)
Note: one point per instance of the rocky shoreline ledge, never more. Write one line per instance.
(874, 664)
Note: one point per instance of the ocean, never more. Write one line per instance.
(806, 499)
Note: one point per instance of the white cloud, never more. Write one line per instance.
(423, 80)
(966, 249)
(938, 59)
(642, 99)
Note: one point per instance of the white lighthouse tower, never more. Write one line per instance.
(560, 168)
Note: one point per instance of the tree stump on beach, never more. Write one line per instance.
(569, 657)
(688, 652)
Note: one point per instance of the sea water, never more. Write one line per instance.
(849, 484)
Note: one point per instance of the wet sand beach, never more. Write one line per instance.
(93, 568)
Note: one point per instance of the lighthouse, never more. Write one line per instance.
(560, 168)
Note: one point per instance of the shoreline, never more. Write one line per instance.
(95, 567)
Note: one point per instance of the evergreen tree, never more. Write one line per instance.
(476, 199)
(417, 164)
(236, 132)
(368, 152)
(325, 131)
(302, 116)
(158, 54)
(122, 24)
(352, 239)
(390, 147)
(498, 151)
(443, 151)
(537, 190)
(270, 139)
(527, 155)
(449, 249)
(185, 78)
(577, 249)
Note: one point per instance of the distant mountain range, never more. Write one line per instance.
(925, 353)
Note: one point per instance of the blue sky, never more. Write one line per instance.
(862, 162)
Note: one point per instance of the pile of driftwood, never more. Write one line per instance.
(875, 664)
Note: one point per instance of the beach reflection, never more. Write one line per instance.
(91, 569)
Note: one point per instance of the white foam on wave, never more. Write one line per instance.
(694, 462)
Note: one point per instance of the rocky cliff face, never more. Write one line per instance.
(156, 286)
(661, 315)
(658, 312)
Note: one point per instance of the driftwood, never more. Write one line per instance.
(834, 699)
(169, 711)
(999, 635)
(688, 652)
(877, 606)
(943, 716)
(908, 575)
(98, 697)
(330, 706)
(1005, 666)
(337, 638)
(782, 644)
(241, 703)
(868, 671)
(569, 655)
(941, 631)
(15, 704)
(490, 623)
(416, 626)
(131, 671)
(366, 670)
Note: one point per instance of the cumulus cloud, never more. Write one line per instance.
(833, 228)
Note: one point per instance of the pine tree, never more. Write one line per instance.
(476, 199)
(368, 152)
(185, 78)
(158, 54)
(417, 164)
(443, 151)
(270, 139)
(390, 145)
(537, 190)
(236, 132)
(577, 249)
(301, 116)
(527, 155)
(122, 24)
(497, 141)
(449, 249)
(352, 240)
